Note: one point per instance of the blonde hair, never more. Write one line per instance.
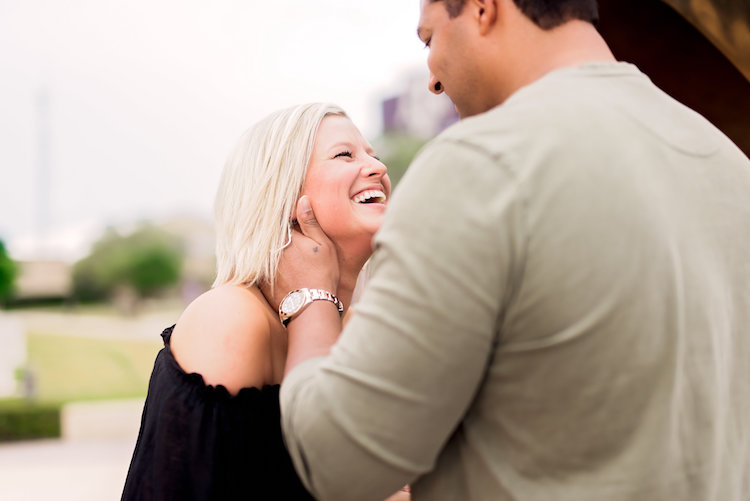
(258, 192)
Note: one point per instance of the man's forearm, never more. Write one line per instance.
(312, 333)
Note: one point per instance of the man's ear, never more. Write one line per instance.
(486, 13)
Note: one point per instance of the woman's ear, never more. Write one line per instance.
(293, 215)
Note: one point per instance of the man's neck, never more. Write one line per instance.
(538, 52)
(572, 44)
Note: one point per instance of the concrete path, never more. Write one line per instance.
(89, 463)
(64, 470)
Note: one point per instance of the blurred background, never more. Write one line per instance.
(115, 121)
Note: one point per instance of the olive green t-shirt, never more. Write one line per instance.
(558, 309)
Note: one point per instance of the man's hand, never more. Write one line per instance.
(309, 261)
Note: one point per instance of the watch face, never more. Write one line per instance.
(292, 302)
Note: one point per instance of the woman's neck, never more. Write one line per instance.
(347, 282)
(349, 272)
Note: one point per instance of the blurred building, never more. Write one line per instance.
(415, 111)
(43, 279)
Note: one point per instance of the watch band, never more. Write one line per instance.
(297, 300)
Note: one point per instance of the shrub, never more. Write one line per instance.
(23, 420)
(8, 273)
(397, 150)
(146, 261)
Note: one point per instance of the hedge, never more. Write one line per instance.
(22, 420)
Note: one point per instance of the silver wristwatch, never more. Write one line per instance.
(297, 300)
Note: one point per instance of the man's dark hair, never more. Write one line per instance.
(454, 7)
(546, 14)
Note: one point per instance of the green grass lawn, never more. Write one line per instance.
(76, 368)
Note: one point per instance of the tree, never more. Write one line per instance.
(8, 274)
(397, 150)
(145, 261)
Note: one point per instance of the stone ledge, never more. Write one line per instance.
(99, 420)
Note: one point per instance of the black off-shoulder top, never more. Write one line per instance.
(197, 442)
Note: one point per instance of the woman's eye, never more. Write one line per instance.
(343, 154)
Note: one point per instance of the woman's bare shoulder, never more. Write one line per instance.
(224, 335)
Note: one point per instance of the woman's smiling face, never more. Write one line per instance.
(347, 185)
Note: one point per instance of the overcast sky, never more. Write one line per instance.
(145, 98)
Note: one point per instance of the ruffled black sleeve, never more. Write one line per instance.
(198, 442)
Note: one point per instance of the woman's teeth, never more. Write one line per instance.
(370, 196)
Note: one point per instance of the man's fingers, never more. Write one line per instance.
(305, 212)
(307, 222)
(311, 260)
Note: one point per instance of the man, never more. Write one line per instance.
(559, 305)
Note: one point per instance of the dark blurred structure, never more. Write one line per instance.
(698, 51)
(416, 112)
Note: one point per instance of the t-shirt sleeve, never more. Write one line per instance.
(375, 414)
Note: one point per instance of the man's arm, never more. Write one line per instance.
(376, 412)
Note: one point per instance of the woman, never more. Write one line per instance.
(210, 426)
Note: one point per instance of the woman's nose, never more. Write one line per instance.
(374, 168)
